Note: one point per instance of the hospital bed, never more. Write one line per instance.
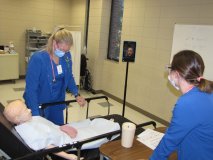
(13, 147)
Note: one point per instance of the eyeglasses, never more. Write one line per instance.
(168, 67)
(63, 47)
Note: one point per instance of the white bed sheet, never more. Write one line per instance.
(39, 132)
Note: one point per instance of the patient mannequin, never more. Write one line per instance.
(17, 113)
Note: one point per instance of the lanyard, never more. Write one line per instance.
(53, 73)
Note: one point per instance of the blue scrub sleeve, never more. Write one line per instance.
(72, 86)
(71, 83)
(179, 127)
(32, 84)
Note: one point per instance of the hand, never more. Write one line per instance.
(64, 154)
(71, 131)
(81, 101)
(71, 157)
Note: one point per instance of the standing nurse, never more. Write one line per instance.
(48, 76)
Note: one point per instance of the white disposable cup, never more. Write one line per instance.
(128, 133)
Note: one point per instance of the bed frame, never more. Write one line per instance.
(13, 147)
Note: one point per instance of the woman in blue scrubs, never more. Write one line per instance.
(191, 128)
(48, 76)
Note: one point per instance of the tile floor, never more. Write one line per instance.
(11, 91)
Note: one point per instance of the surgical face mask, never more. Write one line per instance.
(173, 82)
(59, 53)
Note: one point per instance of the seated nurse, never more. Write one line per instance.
(190, 132)
(49, 75)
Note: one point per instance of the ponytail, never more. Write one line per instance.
(50, 44)
(205, 85)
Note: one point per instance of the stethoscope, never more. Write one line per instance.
(53, 72)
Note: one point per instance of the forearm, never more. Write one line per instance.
(71, 81)
(179, 128)
(32, 103)
(32, 85)
(72, 86)
(159, 153)
(71, 131)
(64, 154)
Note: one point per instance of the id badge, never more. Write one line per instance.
(59, 69)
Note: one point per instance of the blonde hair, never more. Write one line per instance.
(61, 35)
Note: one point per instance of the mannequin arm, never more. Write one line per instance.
(72, 132)
(64, 154)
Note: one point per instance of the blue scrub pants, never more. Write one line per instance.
(55, 114)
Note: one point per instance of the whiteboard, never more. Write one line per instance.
(198, 38)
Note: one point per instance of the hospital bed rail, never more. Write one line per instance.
(45, 105)
(45, 152)
(109, 136)
(79, 144)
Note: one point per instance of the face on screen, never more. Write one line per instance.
(130, 52)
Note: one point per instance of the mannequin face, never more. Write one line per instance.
(24, 114)
(17, 112)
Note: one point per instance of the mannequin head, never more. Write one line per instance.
(17, 112)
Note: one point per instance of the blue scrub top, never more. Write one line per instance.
(40, 87)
